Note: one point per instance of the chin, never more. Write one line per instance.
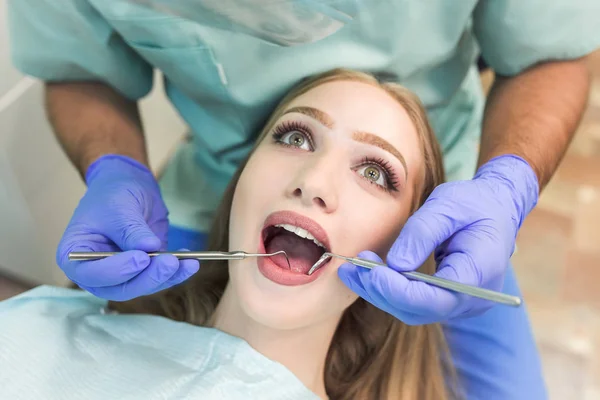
(281, 316)
(269, 304)
(284, 307)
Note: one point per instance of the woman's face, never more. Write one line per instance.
(340, 167)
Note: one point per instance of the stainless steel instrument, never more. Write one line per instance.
(433, 280)
(182, 255)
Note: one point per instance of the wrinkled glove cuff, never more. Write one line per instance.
(113, 160)
(515, 172)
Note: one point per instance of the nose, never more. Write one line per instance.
(317, 184)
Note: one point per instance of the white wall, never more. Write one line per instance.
(39, 188)
(8, 75)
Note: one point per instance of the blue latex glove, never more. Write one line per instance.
(122, 210)
(472, 226)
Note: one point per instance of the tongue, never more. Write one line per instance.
(302, 253)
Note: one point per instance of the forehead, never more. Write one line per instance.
(358, 106)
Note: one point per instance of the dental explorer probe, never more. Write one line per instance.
(433, 280)
(181, 255)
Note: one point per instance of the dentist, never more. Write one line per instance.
(225, 65)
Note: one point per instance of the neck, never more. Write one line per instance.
(302, 351)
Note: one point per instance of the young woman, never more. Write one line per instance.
(342, 163)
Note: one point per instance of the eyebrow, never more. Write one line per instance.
(314, 113)
(359, 136)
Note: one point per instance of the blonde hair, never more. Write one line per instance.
(372, 355)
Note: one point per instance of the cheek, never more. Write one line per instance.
(257, 189)
(343, 294)
(372, 225)
(262, 178)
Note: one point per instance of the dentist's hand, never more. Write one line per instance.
(472, 227)
(122, 210)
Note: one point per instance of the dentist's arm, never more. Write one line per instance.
(472, 225)
(90, 119)
(535, 114)
(94, 81)
(530, 117)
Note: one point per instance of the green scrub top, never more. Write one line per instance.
(226, 63)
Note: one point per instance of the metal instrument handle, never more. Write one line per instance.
(446, 284)
(182, 255)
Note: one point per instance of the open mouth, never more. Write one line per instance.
(303, 240)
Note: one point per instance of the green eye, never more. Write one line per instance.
(297, 139)
(293, 134)
(372, 174)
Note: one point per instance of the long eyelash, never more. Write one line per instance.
(290, 126)
(390, 176)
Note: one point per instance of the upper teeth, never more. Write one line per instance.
(303, 233)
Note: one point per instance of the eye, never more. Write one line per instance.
(293, 134)
(378, 172)
(296, 139)
(373, 174)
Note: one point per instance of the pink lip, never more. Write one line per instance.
(292, 218)
(284, 276)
